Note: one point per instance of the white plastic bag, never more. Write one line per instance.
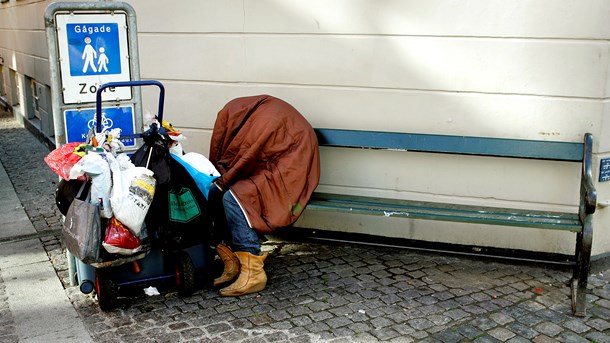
(96, 167)
(132, 193)
(200, 162)
(124, 162)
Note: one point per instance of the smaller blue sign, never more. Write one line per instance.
(80, 122)
(93, 49)
(604, 170)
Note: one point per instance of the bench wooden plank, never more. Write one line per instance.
(445, 212)
(483, 146)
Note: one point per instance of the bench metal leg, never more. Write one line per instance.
(584, 241)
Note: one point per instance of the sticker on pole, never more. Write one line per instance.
(93, 50)
(604, 170)
(79, 122)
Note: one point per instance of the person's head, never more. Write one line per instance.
(88, 40)
(102, 50)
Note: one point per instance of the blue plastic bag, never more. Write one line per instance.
(203, 180)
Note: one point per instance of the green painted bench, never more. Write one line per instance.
(578, 222)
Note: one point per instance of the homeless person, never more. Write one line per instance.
(267, 155)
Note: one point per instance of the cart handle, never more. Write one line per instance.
(98, 102)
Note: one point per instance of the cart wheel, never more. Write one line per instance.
(106, 292)
(185, 274)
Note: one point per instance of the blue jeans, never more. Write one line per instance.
(243, 237)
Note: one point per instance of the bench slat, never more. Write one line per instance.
(483, 146)
(445, 212)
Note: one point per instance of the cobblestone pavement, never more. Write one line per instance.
(326, 292)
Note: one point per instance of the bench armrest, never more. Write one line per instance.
(588, 193)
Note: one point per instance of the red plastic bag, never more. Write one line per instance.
(62, 159)
(119, 240)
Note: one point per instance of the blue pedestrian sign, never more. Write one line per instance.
(93, 50)
(78, 123)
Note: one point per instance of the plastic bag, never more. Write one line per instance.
(203, 174)
(119, 240)
(176, 149)
(96, 167)
(124, 162)
(200, 162)
(132, 193)
(113, 143)
(62, 159)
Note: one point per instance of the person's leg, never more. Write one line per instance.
(218, 219)
(221, 237)
(243, 237)
(246, 244)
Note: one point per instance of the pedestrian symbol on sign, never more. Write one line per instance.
(94, 49)
(88, 55)
(102, 61)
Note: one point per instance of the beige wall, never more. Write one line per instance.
(23, 44)
(516, 69)
(533, 69)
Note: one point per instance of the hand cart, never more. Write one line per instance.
(156, 264)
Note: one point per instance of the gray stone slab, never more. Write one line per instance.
(13, 219)
(15, 225)
(39, 304)
(6, 187)
(8, 197)
(15, 254)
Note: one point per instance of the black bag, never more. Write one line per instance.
(66, 192)
(178, 213)
(154, 158)
(154, 153)
(177, 216)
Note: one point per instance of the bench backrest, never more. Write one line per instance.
(483, 146)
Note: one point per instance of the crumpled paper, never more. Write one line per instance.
(150, 291)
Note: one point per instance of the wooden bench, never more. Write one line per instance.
(579, 222)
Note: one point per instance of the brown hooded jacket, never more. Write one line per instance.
(267, 154)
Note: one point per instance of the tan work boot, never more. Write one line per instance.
(252, 277)
(231, 268)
